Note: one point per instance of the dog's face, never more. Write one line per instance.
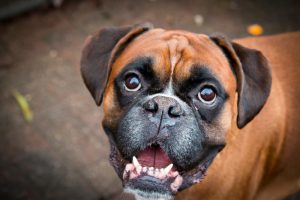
(170, 101)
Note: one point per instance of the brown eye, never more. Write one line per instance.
(207, 95)
(132, 83)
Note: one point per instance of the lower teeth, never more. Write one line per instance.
(131, 172)
(135, 169)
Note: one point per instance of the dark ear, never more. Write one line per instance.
(100, 50)
(253, 75)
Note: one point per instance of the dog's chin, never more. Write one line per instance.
(152, 175)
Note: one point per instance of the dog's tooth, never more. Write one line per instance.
(176, 183)
(167, 169)
(138, 169)
(151, 171)
(156, 172)
(135, 162)
(129, 167)
(145, 169)
(160, 176)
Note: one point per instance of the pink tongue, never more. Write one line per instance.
(153, 157)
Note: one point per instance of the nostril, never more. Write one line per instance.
(151, 106)
(175, 111)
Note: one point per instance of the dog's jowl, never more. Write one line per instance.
(183, 109)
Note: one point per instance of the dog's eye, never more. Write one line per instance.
(132, 83)
(207, 95)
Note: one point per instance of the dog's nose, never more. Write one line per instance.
(167, 105)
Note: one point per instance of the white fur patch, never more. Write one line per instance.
(147, 195)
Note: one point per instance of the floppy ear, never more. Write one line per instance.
(99, 52)
(253, 75)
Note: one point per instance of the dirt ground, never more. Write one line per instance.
(63, 152)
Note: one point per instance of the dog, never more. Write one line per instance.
(183, 109)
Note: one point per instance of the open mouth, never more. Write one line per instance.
(152, 167)
(151, 171)
(153, 156)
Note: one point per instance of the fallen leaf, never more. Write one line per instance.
(22, 102)
(255, 29)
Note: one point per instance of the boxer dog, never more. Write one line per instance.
(183, 109)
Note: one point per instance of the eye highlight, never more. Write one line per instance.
(132, 82)
(207, 95)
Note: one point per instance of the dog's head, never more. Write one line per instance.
(170, 101)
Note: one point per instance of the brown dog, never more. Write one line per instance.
(183, 109)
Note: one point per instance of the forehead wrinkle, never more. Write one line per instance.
(176, 45)
(161, 65)
(182, 69)
(203, 51)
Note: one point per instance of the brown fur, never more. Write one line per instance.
(261, 160)
(254, 164)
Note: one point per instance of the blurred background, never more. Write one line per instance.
(52, 145)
